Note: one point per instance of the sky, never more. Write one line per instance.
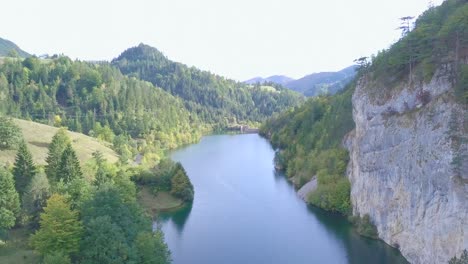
(239, 39)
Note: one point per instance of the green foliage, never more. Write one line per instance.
(333, 195)
(35, 197)
(9, 200)
(364, 226)
(438, 38)
(152, 249)
(212, 98)
(166, 176)
(461, 87)
(24, 168)
(59, 142)
(181, 186)
(60, 229)
(10, 133)
(104, 242)
(69, 167)
(309, 139)
(56, 258)
(96, 100)
(116, 231)
(462, 260)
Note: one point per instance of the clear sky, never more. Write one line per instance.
(239, 39)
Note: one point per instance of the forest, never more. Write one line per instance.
(81, 213)
(215, 100)
(309, 138)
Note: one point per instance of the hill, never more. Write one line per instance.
(38, 136)
(323, 82)
(214, 99)
(278, 79)
(97, 100)
(7, 46)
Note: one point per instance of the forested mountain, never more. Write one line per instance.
(278, 79)
(401, 125)
(214, 99)
(9, 48)
(96, 100)
(323, 82)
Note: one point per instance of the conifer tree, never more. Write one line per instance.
(56, 148)
(35, 197)
(9, 200)
(69, 167)
(24, 168)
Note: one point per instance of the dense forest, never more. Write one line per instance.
(78, 213)
(309, 138)
(216, 100)
(96, 100)
(309, 142)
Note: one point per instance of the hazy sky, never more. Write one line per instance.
(239, 39)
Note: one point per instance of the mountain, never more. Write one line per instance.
(391, 149)
(215, 100)
(322, 82)
(6, 47)
(278, 79)
(97, 100)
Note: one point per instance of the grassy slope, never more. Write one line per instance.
(38, 137)
(16, 250)
(162, 201)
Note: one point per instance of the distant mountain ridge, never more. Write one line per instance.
(323, 82)
(7, 46)
(313, 84)
(278, 79)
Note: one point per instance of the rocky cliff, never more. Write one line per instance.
(408, 166)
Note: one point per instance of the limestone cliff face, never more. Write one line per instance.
(408, 167)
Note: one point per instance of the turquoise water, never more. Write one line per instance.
(244, 212)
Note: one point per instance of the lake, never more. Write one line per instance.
(245, 212)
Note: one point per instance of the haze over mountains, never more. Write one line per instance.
(312, 84)
(7, 47)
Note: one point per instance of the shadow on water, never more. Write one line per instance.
(178, 217)
(356, 245)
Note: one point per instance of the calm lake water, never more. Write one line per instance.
(244, 212)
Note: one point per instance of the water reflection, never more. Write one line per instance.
(178, 217)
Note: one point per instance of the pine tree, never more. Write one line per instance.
(24, 168)
(10, 133)
(69, 167)
(56, 148)
(9, 200)
(60, 229)
(180, 184)
(35, 196)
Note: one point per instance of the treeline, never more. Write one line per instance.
(439, 37)
(215, 100)
(96, 100)
(79, 214)
(308, 140)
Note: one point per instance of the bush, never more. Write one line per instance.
(364, 226)
(56, 258)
